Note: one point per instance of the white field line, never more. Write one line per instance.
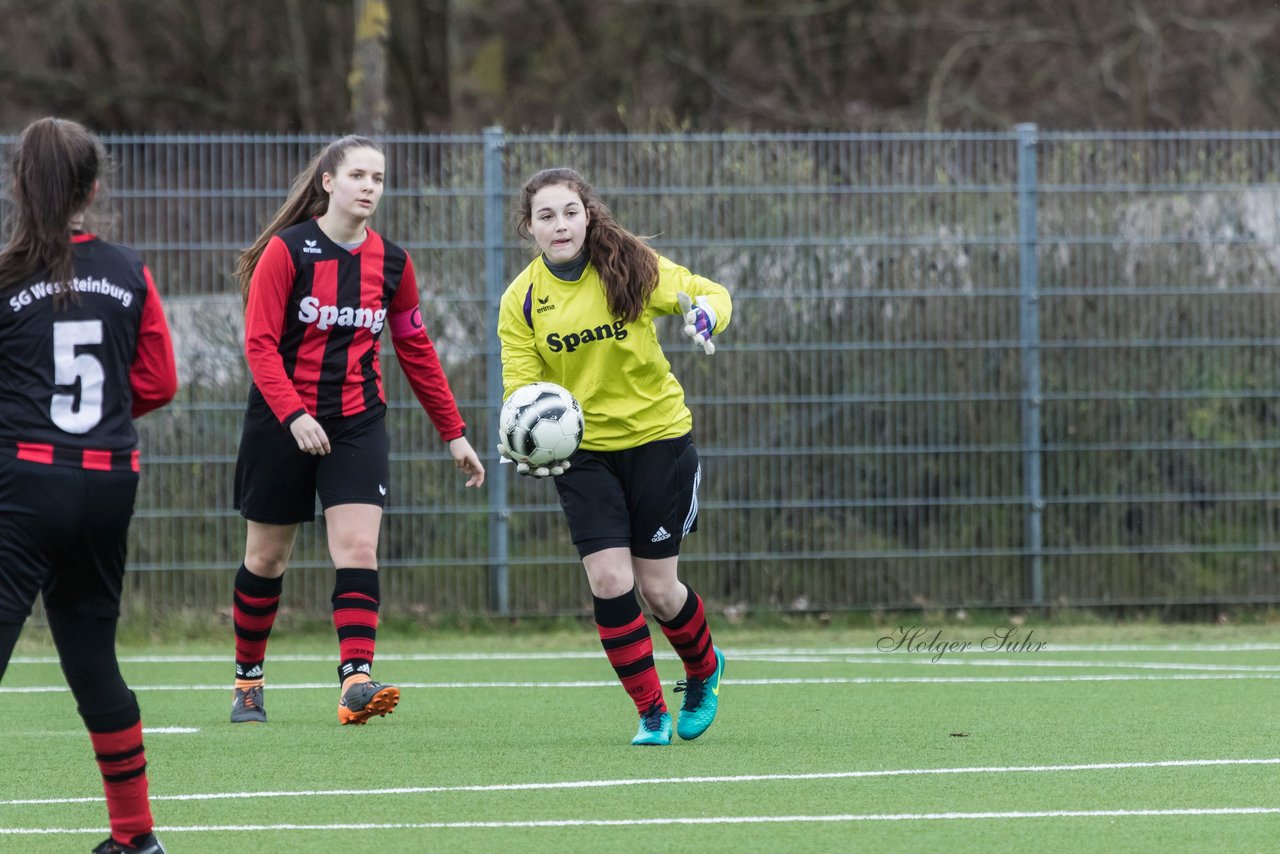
(976, 636)
(1169, 647)
(921, 658)
(927, 658)
(1033, 663)
(679, 781)
(690, 821)
(425, 656)
(80, 733)
(765, 654)
(611, 683)
(178, 730)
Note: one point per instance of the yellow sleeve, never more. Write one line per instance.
(521, 363)
(672, 279)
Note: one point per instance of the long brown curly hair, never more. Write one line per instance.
(626, 264)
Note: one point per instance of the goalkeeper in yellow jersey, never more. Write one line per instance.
(582, 315)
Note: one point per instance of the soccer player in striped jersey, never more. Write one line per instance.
(85, 350)
(582, 315)
(320, 285)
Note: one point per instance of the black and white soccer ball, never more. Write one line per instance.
(541, 424)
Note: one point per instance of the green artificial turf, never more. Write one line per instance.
(824, 743)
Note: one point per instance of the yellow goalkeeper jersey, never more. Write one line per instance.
(563, 332)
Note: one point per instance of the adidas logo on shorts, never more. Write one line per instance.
(660, 535)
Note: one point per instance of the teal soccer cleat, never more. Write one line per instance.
(701, 697)
(655, 727)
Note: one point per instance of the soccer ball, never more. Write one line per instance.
(541, 424)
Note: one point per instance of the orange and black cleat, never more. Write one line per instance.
(364, 700)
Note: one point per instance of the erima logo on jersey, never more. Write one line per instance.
(311, 247)
(573, 340)
(542, 305)
(323, 316)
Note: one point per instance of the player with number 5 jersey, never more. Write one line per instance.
(84, 349)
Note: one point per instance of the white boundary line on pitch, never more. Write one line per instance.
(743, 653)
(660, 781)
(79, 733)
(923, 657)
(1027, 662)
(693, 820)
(816, 680)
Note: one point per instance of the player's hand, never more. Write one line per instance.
(533, 471)
(521, 468)
(553, 470)
(465, 459)
(506, 452)
(309, 435)
(699, 321)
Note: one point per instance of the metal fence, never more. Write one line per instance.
(985, 369)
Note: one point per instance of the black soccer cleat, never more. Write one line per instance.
(146, 844)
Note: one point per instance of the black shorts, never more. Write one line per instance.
(276, 483)
(64, 533)
(644, 499)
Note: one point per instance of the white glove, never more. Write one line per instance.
(699, 321)
(533, 471)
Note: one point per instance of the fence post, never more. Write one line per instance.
(1029, 350)
(494, 284)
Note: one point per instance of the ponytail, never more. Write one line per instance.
(55, 165)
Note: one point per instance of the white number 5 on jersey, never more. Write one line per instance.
(68, 366)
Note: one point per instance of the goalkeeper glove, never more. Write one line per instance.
(699, 321)
(524, 468)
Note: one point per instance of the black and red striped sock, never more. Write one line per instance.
(629, 646)
(253, 611)
(117, 745)
(691, 637)
(355, 618)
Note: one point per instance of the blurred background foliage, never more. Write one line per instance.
(455, 66)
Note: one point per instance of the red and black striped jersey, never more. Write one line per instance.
(312, 325)
(74, 376)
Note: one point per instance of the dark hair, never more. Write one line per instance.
(626, 264)
(55, 164)
(307, 199)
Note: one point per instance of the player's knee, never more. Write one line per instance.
(355, 550)
(610, 583)
(267, 562)
(662, 594)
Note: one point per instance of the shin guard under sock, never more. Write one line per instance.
(629, 646)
